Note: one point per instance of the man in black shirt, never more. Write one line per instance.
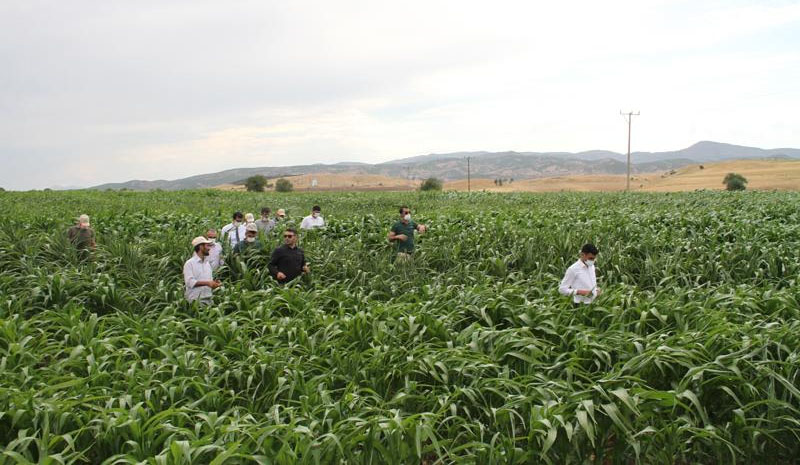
(288, 260)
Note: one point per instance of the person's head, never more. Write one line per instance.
(201, 246)
(265, 211)
(405, 213)
(290, 237)
(316, 211)
(251, 232)
(238, 217)
(249, 218)
(589, 253)
(280, 214)
(211, 234)
(83, 221)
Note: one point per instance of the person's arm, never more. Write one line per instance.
(565, 288)
(305, 224)
(393, 236)
(272, 266)
(305, 267)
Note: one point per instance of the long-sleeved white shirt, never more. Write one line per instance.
(578, 277)
(197, 269)
(215, 256)
(310, 222)
(230, 230)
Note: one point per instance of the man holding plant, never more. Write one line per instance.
(580, 281)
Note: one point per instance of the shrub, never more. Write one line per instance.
(431, 184)
(283, 185)
(735, 182)
(255, 183)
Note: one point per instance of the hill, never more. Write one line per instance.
(491, 165)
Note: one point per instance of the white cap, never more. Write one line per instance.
(83, 219)
(251, 227)
(200, 240)
(249, 218)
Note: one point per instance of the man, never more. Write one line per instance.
(580, 281)
(288, 261)
(197, 275)
(215, 252)
(280, 215)
(314, 220)
(250, 241)
(235, 229)
(265, 224)
(82, 236)
(402, 233)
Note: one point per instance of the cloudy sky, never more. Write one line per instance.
(107, 91)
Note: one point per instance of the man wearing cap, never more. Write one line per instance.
(265, 224)
(288, 261)
(234, 230)
(215, 252)
(197, 274)
(82, 236)
(280, 215)
(314, 220)
(250, 242)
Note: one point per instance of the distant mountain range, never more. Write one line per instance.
(517, 165)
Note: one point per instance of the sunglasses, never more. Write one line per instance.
(288, 235)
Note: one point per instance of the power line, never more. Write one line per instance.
(628, 117)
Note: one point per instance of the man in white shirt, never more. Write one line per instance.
(235, 230)
(314, 220)
(197, 274)
(215, 252)
(580, 281)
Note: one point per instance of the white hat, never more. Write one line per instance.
(200, 240)
(281, 212)
(83, 219)
(249, 218)
(251, 227)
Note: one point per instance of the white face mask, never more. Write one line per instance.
(250, 239)
(315, 214)
(213, 240)
(407, 217)
(589, 262)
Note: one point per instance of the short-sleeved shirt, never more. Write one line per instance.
(81, 238)
(265, 226)
(408, 229)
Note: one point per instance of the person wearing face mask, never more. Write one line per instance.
(215, 252)
(265, 224)
(402, 233)
(235, 230)
(197, 274)
(314, 220)
(580, 281)
(250, 242)
(288, 261)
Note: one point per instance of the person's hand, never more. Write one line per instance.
(280, 276)
(401, 237)
(215, 284)
(598, 291)
(583, 292)
(306, 269)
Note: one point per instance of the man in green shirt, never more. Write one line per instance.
(402, 233)
(250, 242)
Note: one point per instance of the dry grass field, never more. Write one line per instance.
(761, 174)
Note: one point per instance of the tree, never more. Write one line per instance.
(283, 185)
(735, 182)
(255, 183)
(431, 184)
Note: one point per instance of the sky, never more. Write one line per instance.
(94, 92)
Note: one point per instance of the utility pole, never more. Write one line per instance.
(468, 177)
(629, 116)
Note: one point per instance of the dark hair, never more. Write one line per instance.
(197, 247)
(237, 215)
(589, 248)
(316, 208)
(265, 210)
(291, 230)
(403, 208)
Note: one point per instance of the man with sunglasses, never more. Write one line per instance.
(288, 261)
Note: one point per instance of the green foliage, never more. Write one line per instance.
(735, 182)
(255, 183)
(431, 184)
(467, 355)
(283, 185)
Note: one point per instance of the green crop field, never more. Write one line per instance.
(469, 355)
